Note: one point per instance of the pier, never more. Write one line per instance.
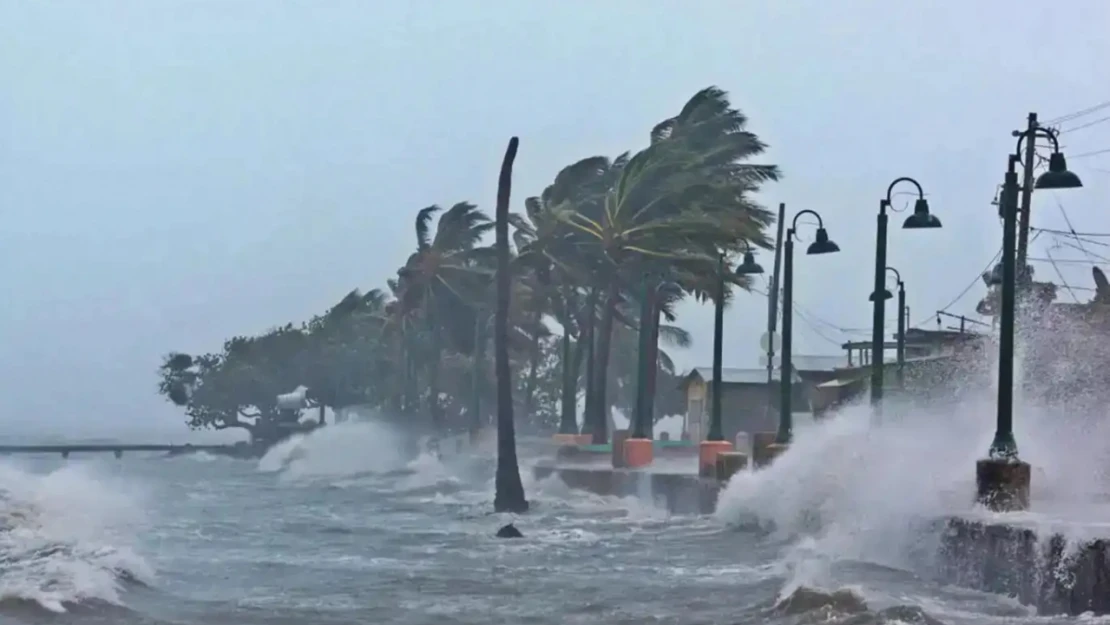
(117, 449)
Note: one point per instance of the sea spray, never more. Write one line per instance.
(341, 450)
(851, 490)
(65, 536)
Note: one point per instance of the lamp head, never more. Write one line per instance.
(885, 295)
(1058, 176)
(995, 277)
(749, 266)
(822, 245)
(921, 217)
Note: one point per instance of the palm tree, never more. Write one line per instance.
(673, 209)
(438, 283)
(509, 495)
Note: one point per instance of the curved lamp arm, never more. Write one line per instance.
(890, 189)
(1038, 131)
(794, 224)
(896, 274)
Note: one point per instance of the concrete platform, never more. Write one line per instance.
(1040, 568)
(679, 492)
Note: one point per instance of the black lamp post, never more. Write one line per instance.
(1002, 479)
(921, 218)
(821, 245)
(902, 314)
(747, 267)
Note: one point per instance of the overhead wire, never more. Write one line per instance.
(1078, 114)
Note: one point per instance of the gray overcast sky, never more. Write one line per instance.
(172, 172)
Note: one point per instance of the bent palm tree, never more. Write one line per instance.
(509, 491)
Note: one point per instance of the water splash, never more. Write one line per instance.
(65, 537)
(848, 490)
(341, 450)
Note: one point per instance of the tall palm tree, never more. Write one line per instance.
(439, 281)
(509, 495)
(675, 207)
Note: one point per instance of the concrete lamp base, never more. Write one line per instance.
(707, 456)
(616, 448)
(772, 451)
(637, 452)
(760, 442)
(729, 463)
(1002, 485)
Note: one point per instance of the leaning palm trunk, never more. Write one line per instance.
(509, 491)
(641, 419)
(601, 366)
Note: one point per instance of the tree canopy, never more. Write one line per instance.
(602, 256)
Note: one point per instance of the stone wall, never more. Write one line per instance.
(1045, 572)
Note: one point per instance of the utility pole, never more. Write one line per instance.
(1026, 197)
(773, 310)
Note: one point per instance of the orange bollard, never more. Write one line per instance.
(707, 456)
(637, 452)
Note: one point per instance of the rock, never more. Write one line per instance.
(805, 600)
(509, 531)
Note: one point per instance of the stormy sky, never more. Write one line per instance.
(175, 172)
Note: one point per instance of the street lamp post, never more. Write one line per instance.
(821, 245)
(921, 218)
(715, 440)
(902, 314)
(1002, 479)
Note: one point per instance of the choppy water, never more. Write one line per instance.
(337, 528)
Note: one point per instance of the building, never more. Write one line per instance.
(747, 403)
(939, 363)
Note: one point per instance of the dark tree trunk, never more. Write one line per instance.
(653, 367)
(409, 401)
(509, 491)
(589, 338)
(533, 366)
(641, 419)
(601, 367)
(568, 419)
(435, 410)
(476, 374)
(322, 409)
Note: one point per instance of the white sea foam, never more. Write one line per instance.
(66, 536)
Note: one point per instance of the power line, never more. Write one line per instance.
(1077, 114)
(1073, 233)
(1087, 125)
(974, 281)
(1092, 153)
(1060, 275)
(1072, 261)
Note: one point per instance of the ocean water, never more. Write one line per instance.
(340, 527)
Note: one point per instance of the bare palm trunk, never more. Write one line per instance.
(589, 336)
(641, 420)
(509, 491)
(601, 366)
(434, 407)
(568, 421)
(533, 365)
(476, 375)
(653, 369)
